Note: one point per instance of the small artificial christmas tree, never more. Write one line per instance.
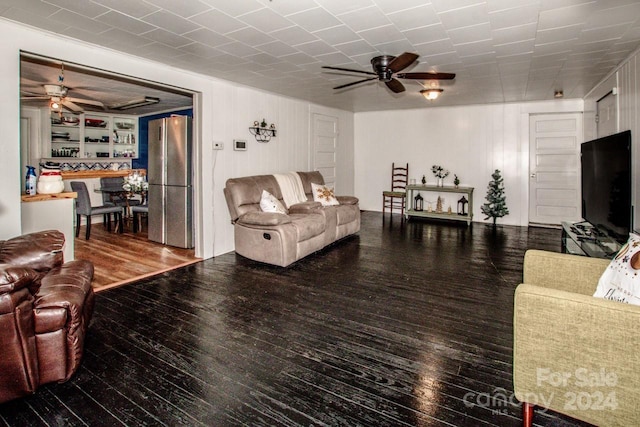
(496, 206)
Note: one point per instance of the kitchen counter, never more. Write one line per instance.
(44, 197)
(100, 174)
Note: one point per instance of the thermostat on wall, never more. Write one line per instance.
(240, 145)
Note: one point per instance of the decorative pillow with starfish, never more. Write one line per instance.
(324, 195)
(621, 280)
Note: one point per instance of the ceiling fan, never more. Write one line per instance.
(386, 69)
(58, 99)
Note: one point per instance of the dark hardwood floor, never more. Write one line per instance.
(405, 324)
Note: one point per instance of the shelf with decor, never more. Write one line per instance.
(92, 135)
(461, 211)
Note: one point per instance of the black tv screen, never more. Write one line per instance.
(606, 184)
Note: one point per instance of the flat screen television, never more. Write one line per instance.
(606, 184)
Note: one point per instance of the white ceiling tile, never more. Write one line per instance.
(470, 34)
(250, 36)
(355, 48)
(381, 35)
(285, 8)
(136, 9)
(475, 48)
(170, 22)
(200, 50)
(435, 47)
(314, 48)
(76, 20)
(364, 19)
(515, 48)
(119, 37)
(314, 19)
(238, 49)
(265, 20)
(337, 35)
(614, 32)
(562, 17)
(395, 48)
(208, 37)
(514, 17)
(218, 21)
(415, 18)
(165, 37)
(277, 48)
(126, 23)
(334, 59)
(184, 9)
(555, 35)
(338, 7)
(499, 5)
(449, 5)
(396, 5)
(511, 34)
(519, 69)
(468, 16)
(426, 34)
(263, 59)
(299, 58)
(293, 35)
(88, 9)
(614, 16)
(235, 8)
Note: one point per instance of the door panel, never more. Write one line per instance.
(155, 199)
(325, 139)
(554, 185)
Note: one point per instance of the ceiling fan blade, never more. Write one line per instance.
(427, 76)
(350, 70)
(355, 83)
(71, 106)
(85, 101)
(395, 86)
(34, 97)
(401, 62)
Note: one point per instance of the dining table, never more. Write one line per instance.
(118, 194)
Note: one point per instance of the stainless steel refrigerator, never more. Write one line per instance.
(169, 175)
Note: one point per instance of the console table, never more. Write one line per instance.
(578, 239)
(453, 216)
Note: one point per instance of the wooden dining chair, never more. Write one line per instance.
(137, 212)
(396, 197)
(83, 207)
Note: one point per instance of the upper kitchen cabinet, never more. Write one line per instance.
(91, 136)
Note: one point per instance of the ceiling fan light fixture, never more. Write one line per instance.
(432, 93)
(140, 102)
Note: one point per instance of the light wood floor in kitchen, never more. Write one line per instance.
(123, 258)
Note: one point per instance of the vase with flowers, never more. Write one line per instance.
(440, 173)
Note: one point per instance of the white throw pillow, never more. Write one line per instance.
(269, 203)
(620, 281)
(324, 195)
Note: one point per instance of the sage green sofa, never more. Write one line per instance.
(573, 353)
(281, 239)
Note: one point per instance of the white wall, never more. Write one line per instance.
(626, 80)
(223, 111)
(470, 141)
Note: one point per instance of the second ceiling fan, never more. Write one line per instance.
(386, 68)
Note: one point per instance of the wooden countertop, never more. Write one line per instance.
(100, 174)
(44, 197)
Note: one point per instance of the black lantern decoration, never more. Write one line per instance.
(462, 206)
(418, 203)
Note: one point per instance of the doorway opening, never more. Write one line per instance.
(120, 102)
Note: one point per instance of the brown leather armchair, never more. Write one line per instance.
(45, 309)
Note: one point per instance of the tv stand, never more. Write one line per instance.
(582, 238)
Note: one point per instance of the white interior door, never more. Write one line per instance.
(607, 115)
(325, 139)
(554, 166)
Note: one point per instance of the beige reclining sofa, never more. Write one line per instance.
(281, 239)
